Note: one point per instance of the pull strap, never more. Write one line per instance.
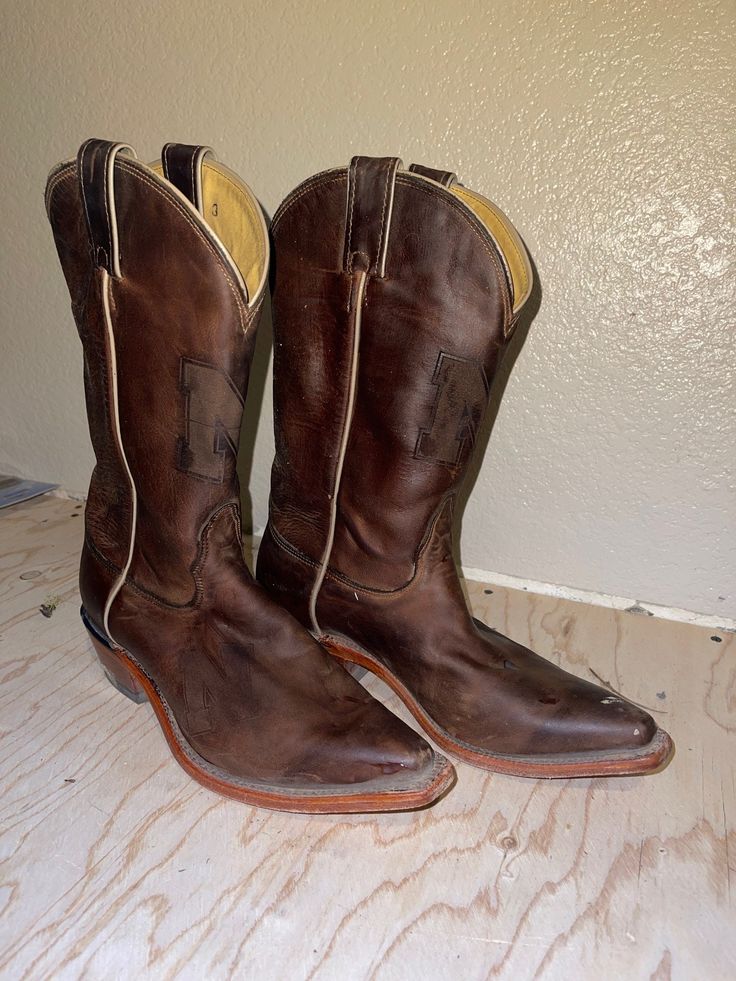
(182, 163)
(96, 170)
(370, 199)
(444, 177)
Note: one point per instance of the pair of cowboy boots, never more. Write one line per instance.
(394, 293)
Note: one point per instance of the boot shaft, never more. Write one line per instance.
(394, 294)
(166, 299)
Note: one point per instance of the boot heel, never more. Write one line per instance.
(116, 671)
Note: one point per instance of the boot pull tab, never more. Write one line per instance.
(182, 164)
(370, 199)
(96, 171)
(444, 177)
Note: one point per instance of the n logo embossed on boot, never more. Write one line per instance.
(198, 702)
(214, 668)
(462, 392)
(213, 411)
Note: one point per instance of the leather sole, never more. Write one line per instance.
(393, 794)
(650, 758)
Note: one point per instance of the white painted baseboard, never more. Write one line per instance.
(601, 599)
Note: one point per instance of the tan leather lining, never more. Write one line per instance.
(235, 217)
(506, 237)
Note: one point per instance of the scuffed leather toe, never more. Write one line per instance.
(365, 756)
(550, 711)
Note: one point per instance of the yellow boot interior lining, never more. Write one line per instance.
(506, 237)
(234, 215)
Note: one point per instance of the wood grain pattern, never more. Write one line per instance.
(133, 871)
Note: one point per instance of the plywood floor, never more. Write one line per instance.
(116, 865)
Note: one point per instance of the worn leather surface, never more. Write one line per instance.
(431, 331)
(251, 690)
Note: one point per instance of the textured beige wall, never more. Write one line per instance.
(602, 128)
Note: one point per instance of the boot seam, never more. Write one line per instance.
(96, 551)
(243, 313)
(335, 576)
(66, 173)
(246, 315)
(130, 583)
(423, 546)
(117, 433)
(202, 552)
(359, 285)
(288, 547)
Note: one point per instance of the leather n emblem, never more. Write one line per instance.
(462, 393)
(212, 413)
(209, 670)
(198, 702)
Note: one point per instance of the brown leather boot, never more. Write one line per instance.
(167, 278)
(395, 293)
